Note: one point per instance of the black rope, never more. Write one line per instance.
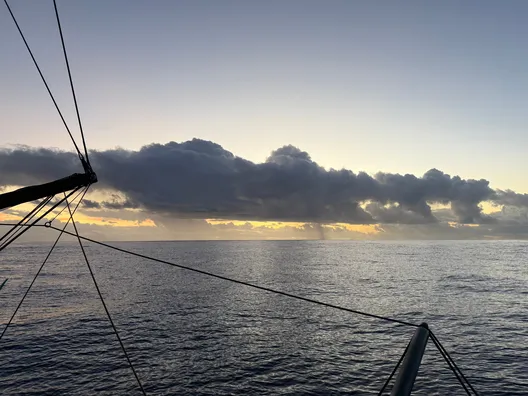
(28, 226)
(102, 299)
(19, 228)
(395, 369)
(453, 366)
(71, 81)
(27, 217)
(267, 289)
(65, 206)
(23, 225)
(40, 269)
(437, 345)
(44, 81)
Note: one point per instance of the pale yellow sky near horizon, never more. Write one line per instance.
(146, 223)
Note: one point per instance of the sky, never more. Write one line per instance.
(399, 87)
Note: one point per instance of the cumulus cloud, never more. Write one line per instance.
(116, 203)
(398, 214)
(511, 198)
(25, 165)
(200, 179)
(89, 204)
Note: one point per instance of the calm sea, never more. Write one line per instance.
(190, 334)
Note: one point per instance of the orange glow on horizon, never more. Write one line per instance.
(107, 221)
(255, 224)
(454, 224)
(362, 228)
(9, 217)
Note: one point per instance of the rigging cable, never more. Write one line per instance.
(28, 226)
(41, 267)
(19, 228)
(395, 369)
(62, 210)
(102, 299)
(81, 157)
(452, 365)
(71, 81)
(401, 322)
(27, 217)
(252, 285)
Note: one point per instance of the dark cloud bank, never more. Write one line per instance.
(200, 179)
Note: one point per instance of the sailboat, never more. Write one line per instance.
(62, 193)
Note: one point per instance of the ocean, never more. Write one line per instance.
(189, 334)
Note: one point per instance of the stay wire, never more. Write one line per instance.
(27, 217)
(28, 226)
(19, 228)
(81, 157)
(25, 226)
(448, 361)
(41, 267)
(65, 206)
(102, 299)
(71, 81)
(267, 289)
(21, 225)
(451, 362)
(395, 369)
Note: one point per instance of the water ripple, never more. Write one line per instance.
(187, 334)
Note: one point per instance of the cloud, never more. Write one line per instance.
(398, 214)
(200, 179)
(89, 204)
(415, 194)
(511, 198)
(115, 204)
(25, 165)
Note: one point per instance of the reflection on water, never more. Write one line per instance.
(189, 334)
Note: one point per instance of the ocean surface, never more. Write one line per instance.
(189, 334)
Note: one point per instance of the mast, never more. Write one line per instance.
(32, 193)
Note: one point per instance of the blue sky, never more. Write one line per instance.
(399, 86)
